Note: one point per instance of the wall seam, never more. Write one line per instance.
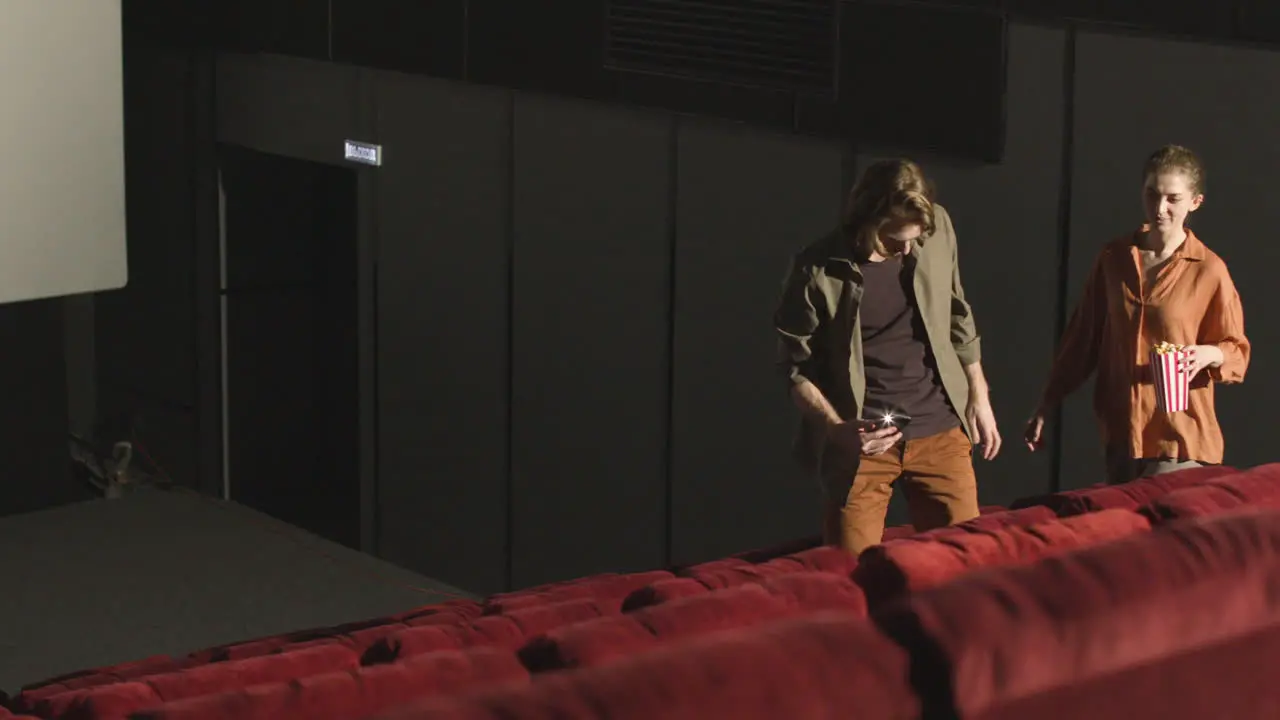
(1064, 234)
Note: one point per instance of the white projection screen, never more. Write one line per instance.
(62, 211)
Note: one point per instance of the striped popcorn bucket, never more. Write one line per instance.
(1173, 385)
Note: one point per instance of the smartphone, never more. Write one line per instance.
(881, 419)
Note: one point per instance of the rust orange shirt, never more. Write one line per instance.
(1191, 302)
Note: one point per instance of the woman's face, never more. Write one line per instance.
(1168, 198)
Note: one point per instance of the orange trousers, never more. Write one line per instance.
(937, 476)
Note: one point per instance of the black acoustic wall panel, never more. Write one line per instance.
(554, 46)
(443, 296)
(590, 323)
(915, 78)
(280, 27)
(425, 38)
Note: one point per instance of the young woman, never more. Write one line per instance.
(1157, 284)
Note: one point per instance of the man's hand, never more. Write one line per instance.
(865, 438)
(1200, 357)
(982, 420)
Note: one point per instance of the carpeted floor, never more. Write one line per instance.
(107, 581)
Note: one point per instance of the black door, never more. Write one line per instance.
(291, 340)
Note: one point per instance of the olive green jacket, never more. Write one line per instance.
(820, 336)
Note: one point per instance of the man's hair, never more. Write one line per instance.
(1176, 158)
(889, 192)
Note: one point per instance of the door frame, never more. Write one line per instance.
(216, 470)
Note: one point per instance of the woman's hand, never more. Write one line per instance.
(1200, 357)
(1034, 434)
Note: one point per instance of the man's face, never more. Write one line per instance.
(898, 237)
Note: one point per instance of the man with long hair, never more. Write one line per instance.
(882, 357)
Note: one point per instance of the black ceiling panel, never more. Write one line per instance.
(554, 46)
(167, 24)
(427, 38)
(281, 27)
(784, 44)
(1259, 20)
(917, 78)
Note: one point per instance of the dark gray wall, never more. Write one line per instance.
(747, 200)
(443, 215)
(591, 278)
(33, 382)
(145, 342)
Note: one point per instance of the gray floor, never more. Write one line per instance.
(107, 581)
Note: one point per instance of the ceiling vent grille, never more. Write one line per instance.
(785, 44)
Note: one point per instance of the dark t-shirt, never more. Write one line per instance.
(899, 365)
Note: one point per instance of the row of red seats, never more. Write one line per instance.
(508, 622)
(607, 590)
(968, 548)
(505, 619)
(56, 704)
(1176, 623)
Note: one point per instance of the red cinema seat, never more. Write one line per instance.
(594, 642)
(819, 592)
(1257, 487)
(599, 641)
(814, 667)
(886, 572)
(994, 638)
(994, 521)
(828, 559)
(663, 591)
(117, 701)
(1192, 502)
(509, 630)
(1233, 679)
(1128, 496)
(351, 694)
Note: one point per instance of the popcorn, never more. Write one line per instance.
(1173, 383)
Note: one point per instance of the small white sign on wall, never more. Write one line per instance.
(363, 153)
